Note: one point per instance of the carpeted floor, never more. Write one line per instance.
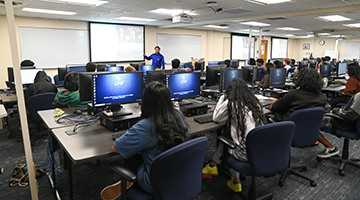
(89, 179)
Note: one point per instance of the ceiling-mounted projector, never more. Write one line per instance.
(183, 18)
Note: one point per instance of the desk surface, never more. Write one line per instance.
(3, 112)
(331, 89)
(8, 98)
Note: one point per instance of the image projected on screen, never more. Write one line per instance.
(228, 75)
(279, 48)
(116, 42)
(28, 75)
(183, 85)
(240, 45)
(117, 88)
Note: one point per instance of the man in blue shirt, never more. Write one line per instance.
(175, 63)
(158, 59)
(261, 69)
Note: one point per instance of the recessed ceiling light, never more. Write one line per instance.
(216, 26)
(266, 2)
(289, 35)
(56, 12)
(255, 24)
(172, 12)
(135, 19)
(334, 36)
(80, 2)
(248, 30)
(323, 33)
(333, 18)
(288, 29)
(356, 25)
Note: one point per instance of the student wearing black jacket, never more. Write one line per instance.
(41, 84)
(307, 95)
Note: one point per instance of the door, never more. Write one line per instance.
(263, 51)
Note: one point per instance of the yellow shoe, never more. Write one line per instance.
(209, 172)
(235, 187)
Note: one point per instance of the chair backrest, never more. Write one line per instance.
(38, 102)
(50, 79)
(56, 80)
(308, 124)
(268, 147)
(176, 173)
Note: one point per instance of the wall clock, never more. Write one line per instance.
(306, 46)
(322, 42)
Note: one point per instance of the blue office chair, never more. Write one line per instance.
(175, 174)
(268, 151)
(292, 62)
(347, 135)
(308, 123)
(50, 79)
(56, 80)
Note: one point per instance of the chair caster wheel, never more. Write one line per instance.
(318, 159)
(281, 184)
(341, 172)
(313, 184)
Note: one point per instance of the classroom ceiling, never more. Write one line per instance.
(300, 14)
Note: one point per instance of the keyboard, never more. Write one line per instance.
(116, 135)
(204, 119)
(266, 102)
(334, 85)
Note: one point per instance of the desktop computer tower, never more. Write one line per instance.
(194, 109)
(118, 123)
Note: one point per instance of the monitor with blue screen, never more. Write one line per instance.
(146, 68)
(183, 85)
(277, 77)
(228, 75)
(76, 69)
(28, 75)
(234, 63)
(341, 69)
(325, 70)
(117, 88)
(114, 69)
(213, 63)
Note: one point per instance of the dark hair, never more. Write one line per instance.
(260, 61)
(327, 58)
(309, 79)
(175, 63)
(27, 63)
(276, 62)
(157, 104)
(227, 63)
(269, 66)
(241, 101)
(71, 81)
(252, 61)
(157, 47)
(354, 70)
(91, 67)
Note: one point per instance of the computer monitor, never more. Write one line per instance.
(156, 75)
(146, 68)
(183, 85)
(62, 71)
(10, 72)
(250, 74)
(28, 75)
(234, 63)
(116, 88)
(228, 75)
(213, 63)
(137, 65)
(101, 67)
(312, 64)
(302, 64)
(277, 77)
(325, 70)
(341, 69)
(76, 69)
(85, 86)
(114, 69)
(200, 65)
(213, 74)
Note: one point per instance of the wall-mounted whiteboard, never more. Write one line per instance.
(182, 47)
(332, 53)
(352, 50)
(51, 48)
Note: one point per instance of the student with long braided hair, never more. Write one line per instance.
(242, 112)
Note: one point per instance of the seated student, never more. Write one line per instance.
(161, 127)
(261, 70)
(287, 63)
(41, 84)
(265, 79)
(352, 85)
(91, 67)
(175, 64)
(227, 63)
(27, 64)
(307, 95)
(251, 61)
(350, 112)
(129, 69)
(324, 60)
(276, 64)
(243, 112)
(70, 97)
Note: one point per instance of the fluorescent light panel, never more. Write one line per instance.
(215, 26)
(79, 2)
(135, 19)
(248, 30)
(356, 25)
(172, 12)
(323, 33)
(252, 23)
(289, 35)
(333, 18)
(266, 2)
(56, 12)
(288, 29)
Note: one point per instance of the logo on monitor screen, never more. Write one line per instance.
(233, 75)
(278, 73)
(118, 81)
(183, 81)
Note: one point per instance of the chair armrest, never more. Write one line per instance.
(124, 172)
(227, 141)
(347, 94)
(334, 116)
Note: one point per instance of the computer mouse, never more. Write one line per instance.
(77, 112)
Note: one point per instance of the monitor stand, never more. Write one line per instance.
(116, 111)
(185, 102)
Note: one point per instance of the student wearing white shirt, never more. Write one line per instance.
(287, 63)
